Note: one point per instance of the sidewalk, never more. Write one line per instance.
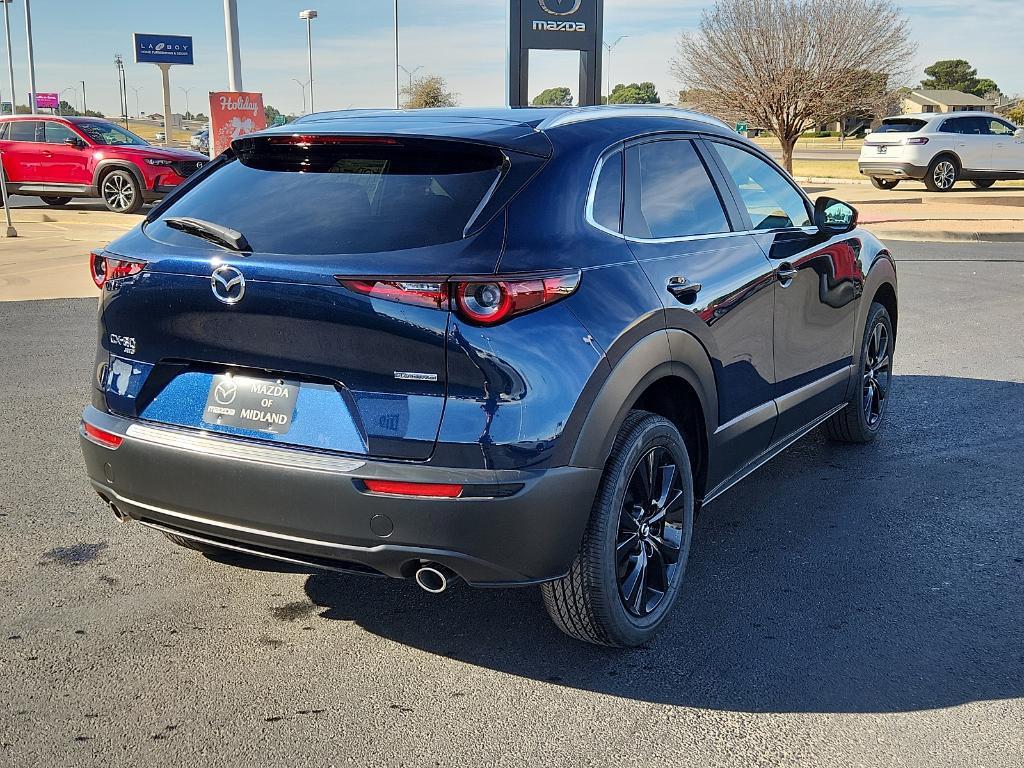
(911, 212)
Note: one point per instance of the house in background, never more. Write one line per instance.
(920, 100)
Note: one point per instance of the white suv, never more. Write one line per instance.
(941, 148)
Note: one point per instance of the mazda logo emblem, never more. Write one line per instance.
(225, 392)
(560, 7)
(227, 284)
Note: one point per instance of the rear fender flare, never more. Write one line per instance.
(657, 356)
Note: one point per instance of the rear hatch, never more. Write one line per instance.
(889, 140)
(254, 335)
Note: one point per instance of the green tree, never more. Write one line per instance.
(271, 113)
(1017, 114)
(635, 93)
(957, 75)
(429, 91)
(554, 97)
(66, 109)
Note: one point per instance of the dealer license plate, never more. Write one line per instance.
(264, 405)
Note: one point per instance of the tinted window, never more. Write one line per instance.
(900, 125)
(970, 126)
(103, 132)
(669, 193)
(58, 133)
(771, 201)
(26, 130)
(330, 198)
(607, 209)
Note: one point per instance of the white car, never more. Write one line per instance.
(941, 148)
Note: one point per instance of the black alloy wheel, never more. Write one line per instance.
(983, 183)
(650, 533)
(56, 200)
(879, 183)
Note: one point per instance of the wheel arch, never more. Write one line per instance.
(103, 167)
(668, 373)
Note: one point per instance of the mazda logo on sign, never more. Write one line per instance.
(227, 284)
(560, 7)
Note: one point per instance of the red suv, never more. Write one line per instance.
(58, 158)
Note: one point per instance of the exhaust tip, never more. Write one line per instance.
(117, 512)
(432, 579)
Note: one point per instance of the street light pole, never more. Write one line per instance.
(186, 91)
(398, 86)
(608, 66)
(410, 74)
(138, 111)
(10, 60)
(31, 58)
(308, 15)
(234, 54)
(59, 99)
(85, 107)
(302, 85)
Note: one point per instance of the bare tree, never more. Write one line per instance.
(787, 65)
(426, 92)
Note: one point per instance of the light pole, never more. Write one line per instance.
(85, 107)
(302, 85)
(138, 111)
(186, 91)
(31, 59)
(69, 88)
(10, 60)
(398, 86)
(308, 15)
(234, 54)
(608, 66)
(410, 73)
(122, 87)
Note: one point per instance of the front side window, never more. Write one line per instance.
(57, 133)
(669, 193)
(999, 128)
(26, 130)
(102, 132)
(770, 200)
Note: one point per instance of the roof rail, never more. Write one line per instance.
(603, 112)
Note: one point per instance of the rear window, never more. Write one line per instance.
(345, 197)
(900, 126)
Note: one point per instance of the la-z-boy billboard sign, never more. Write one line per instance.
(162, 49)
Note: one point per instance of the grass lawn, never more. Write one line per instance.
(832, 169)
(148, 132)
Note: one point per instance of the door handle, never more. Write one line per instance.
(683, 289)
(786, 273)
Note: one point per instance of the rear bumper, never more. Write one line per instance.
(308, 507)
(885, 170)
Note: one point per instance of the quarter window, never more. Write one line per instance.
(607, 210)
(669, 193)
(771, 201)
(26, 130)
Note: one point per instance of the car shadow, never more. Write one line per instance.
(838, 578)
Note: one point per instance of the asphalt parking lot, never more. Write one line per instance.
(845, 606)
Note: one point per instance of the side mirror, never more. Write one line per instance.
(72, 141)
(833, 216)
(1019, 133)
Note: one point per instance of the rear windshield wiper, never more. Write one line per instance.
(215, 233)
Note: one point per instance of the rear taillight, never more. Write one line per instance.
(917, 140)
(101, 436)
(102, 268)
(476, 300)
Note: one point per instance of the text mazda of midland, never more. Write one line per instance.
(508, 346)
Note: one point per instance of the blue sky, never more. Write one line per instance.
(462, 40)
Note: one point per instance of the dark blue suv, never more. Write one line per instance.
(509, 346)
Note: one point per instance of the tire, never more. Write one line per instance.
(983, 183)
(56, 201)
(861, 420)
(621, 548)
(878, 183)
(942, 174)
(196, 546)
(121, 192)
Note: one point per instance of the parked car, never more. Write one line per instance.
(941, 149)
(160, 136)
(200, 141)
(514, 347)
(61, 158)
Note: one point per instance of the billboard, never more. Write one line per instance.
(46, 100)
(234, 114)
(162, 49)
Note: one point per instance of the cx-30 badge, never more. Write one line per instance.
(227, 284)
(560, 7)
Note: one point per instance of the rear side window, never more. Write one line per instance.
(669, 193)
(607, 210)
(26, 130)
(900, 126)
(345, 196)
(771, 201)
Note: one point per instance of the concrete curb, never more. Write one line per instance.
(944, 236)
